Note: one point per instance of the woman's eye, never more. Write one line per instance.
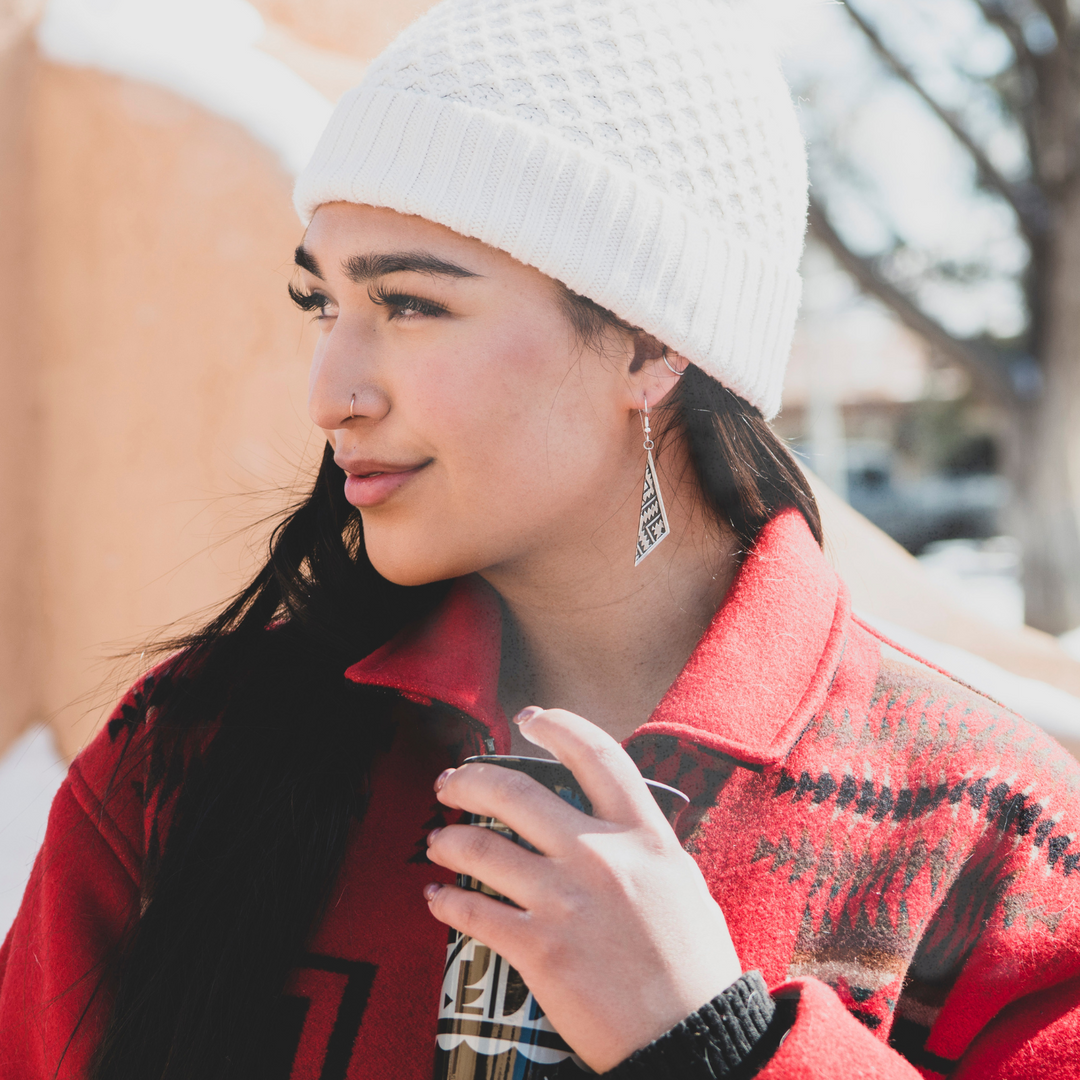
(313, 301)
(402, 306)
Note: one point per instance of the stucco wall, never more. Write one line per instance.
(174, 367)
(152, 370)
(20, 640)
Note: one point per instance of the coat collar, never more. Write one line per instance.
(753, 683)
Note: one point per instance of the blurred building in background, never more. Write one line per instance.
(886, 423)
(153, 372)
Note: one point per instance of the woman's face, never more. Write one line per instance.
(482, 436)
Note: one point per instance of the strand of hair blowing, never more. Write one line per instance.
(262, 816)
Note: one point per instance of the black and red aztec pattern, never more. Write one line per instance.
(903, 844)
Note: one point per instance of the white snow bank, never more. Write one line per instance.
(1070, 642)
(1054, 710)
(204, 50)
(30, 773)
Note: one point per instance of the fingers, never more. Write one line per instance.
(497, 925)
(517, 800)
(495, 860)
(599, 764)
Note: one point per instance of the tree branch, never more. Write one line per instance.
(1025, 200)
(1026, 61)
(1057, 12)
(967, 355)
(994, 13)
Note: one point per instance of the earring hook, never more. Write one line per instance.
(649, 444)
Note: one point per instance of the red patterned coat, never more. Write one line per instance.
(893, 848)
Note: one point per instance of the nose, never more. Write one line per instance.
(344, 387)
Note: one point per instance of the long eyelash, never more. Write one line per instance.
(404, 300)
(312, 301)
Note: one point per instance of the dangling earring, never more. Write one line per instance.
(653, 523)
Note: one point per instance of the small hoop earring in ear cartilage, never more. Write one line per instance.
(352, 404)
(652, 521)
(674, 371)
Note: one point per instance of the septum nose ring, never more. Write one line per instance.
(352, 404)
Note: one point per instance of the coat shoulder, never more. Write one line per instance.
(905, 740)
(129, 772)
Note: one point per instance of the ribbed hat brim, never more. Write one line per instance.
(564, 210)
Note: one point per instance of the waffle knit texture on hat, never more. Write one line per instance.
(645, 153)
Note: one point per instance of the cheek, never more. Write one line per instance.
(522, 441)
(522, 448)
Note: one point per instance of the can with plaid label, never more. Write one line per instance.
(490, 1025)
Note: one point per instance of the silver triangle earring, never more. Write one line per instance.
(652, 523)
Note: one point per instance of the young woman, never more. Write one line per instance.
(540, 232)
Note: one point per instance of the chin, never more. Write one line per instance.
(406, 564)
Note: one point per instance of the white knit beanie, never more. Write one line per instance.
(643, 152)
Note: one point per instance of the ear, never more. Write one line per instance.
(654, 371)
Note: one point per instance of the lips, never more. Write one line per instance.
(369, 483)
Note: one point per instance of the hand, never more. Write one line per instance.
(614, 931)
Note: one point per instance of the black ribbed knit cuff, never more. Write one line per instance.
(731, 1037)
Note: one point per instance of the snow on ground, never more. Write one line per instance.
(1070, 642)
(981, 575)
(30, 773)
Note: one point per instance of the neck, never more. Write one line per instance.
(596, 635)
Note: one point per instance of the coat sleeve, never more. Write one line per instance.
(1037, 1038)
(814, 1037)
(827, 1041)
(54, 965)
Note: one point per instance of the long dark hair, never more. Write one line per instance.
(260, 750)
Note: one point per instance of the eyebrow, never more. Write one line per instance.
(362, 268)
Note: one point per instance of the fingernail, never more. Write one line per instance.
(431, 835)
(431, 890)
(527, 714)
(443, 777)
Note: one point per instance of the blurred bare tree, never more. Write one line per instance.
(1031, 93)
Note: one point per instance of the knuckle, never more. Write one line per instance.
(608, 754)
(658, 846)
(597, 857)
(550, 952)
(514, 784)
(467, 909)
(452, 905)
(477, 843)
(607, 750)
(571, 906)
